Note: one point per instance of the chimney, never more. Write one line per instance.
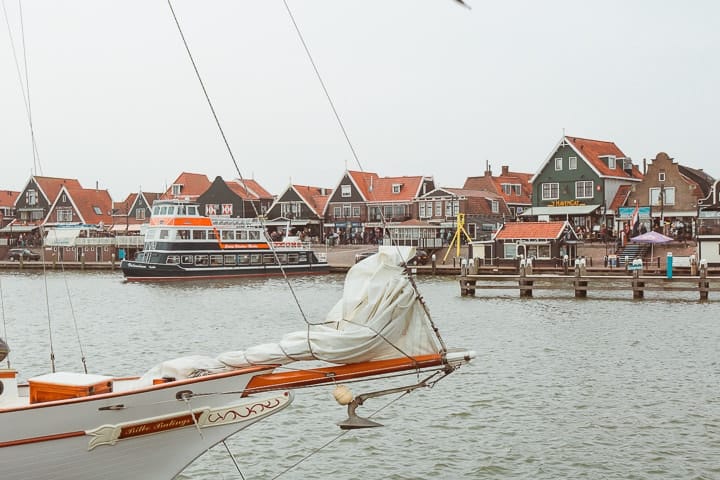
(505, 170)
(488, 172)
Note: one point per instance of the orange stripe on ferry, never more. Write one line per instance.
(181, 221)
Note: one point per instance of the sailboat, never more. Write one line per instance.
(70, 425)
(158, 422)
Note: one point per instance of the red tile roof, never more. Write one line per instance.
(8, 198)
(248, 189)
(315, 197)
(92, 205)
(592, 150)
(620, 198)
(530, 230)
(193, 185)
(380, 189)
(495, 183)
(51, 185)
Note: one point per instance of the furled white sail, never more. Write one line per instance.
(377, 318)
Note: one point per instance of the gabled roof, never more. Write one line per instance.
(92, 206)
(193, 185)
(8, 198)
(314, 197)
(531, 230)
(592, 152)
(248, 189)
(380, 189)
(51, 186)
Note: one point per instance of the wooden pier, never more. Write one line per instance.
(582, 284)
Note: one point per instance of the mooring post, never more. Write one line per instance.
(638, 287)
(580, 285)
(703, 284)
(523, 282)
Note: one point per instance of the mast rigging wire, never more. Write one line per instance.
(24, 87)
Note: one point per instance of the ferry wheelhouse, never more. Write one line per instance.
(180, 243)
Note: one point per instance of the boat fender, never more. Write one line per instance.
(343, 395)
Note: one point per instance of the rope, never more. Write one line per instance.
(72, 313)
(237, 168)
(24, 87)
(2, 308)
(393, 241)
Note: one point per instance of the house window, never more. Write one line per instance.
(176, 189)
(97, 210)
(32, 198)
(336, 212)
(558, 163)
(388, 211)
(140, 214)
(356, 212)
(661, 176)
(662, 196)
(345, 191)
(584, 189)
(572, 163)
(611, 162)
(347, 211)
(518, 189)
(64, 215)
(550, 191)
(495, 206)
(438, 209)
(396, 187)
(421, 210)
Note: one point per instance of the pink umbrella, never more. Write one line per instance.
(652, 238)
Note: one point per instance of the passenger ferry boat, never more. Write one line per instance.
(180, 244)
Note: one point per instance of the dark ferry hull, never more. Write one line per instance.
(139, 271)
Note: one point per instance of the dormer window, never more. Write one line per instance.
(176, 189)
(345, 191)
(396, 187)
(97, 210)
(495, 206)
(611, 162)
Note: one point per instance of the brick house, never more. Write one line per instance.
(235, 198)
(514, 187)
(301, 207)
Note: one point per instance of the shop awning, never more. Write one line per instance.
(61, 237)
(18, 228)
(570, 210)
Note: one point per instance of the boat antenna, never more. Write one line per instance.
(24, 86)
(357, 160)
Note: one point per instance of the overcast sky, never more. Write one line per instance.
(424, 87)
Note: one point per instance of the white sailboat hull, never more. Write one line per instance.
(148, 433)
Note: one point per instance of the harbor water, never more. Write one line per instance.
(600, 388)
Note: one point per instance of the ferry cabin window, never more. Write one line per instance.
(156, 211)
(255, 258)
(269, 259)
(198, 234)
(173, 259)
(254, 235)
(181, 210)
(282, 258)
(183, 234)
(216, 260)
(229, 259)
(164, 234)
(211, 235)
(171, 210)
(192, 210)
(201, 259)
(186, 259)
(241, 235)
(163, 210)
(228, 234)
(243, 259)
(292, 258)
(302, 258)
(151, 234)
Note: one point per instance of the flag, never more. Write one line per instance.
(635, 220)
